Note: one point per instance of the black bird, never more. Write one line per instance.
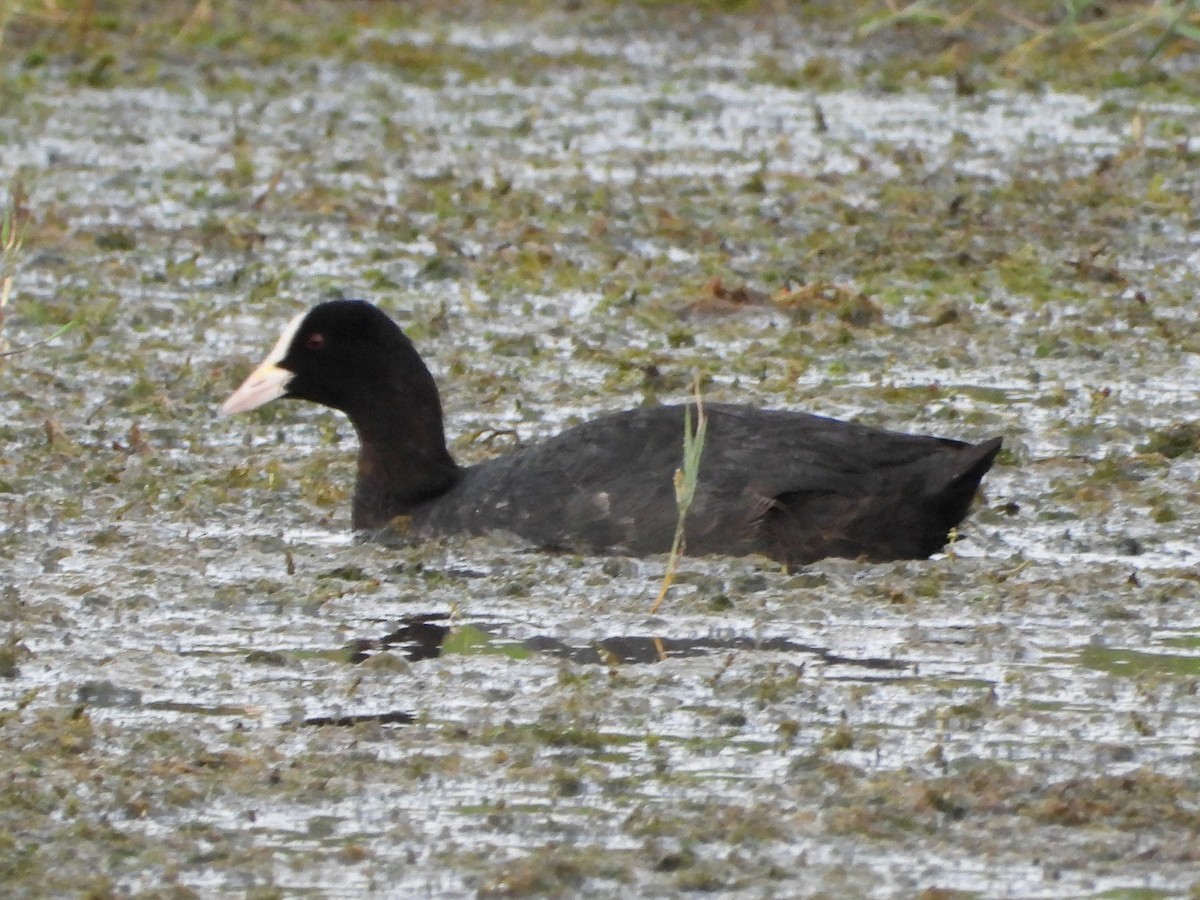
(788, 485)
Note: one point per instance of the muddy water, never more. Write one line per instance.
(210, 684)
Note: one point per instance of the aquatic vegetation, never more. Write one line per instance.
(687, 476)
(10, 251)
(577, 208)
(1174, 441)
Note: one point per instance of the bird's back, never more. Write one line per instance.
(790, 485)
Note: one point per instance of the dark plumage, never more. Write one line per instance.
(792, 486)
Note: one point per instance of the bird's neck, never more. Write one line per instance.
(403, 462)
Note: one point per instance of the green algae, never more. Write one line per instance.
(1134, 663)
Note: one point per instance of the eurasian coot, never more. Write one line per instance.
(789, 485)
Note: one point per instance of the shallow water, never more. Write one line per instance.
(215, 686)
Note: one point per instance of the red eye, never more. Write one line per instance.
(315, 341)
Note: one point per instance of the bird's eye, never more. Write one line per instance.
(315, 341)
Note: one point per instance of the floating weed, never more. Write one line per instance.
(815, 72)
(11, 652)
(1182, 439)
(1032, 42)
(550, 732)
(556, 870)
(431, 63)
(469, 640)
(1141, 799)
(840, 738)
(347, 573)
(10, 250)
(1136, 663)
(11, 245)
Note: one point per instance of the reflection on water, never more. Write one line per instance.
(423, 637)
